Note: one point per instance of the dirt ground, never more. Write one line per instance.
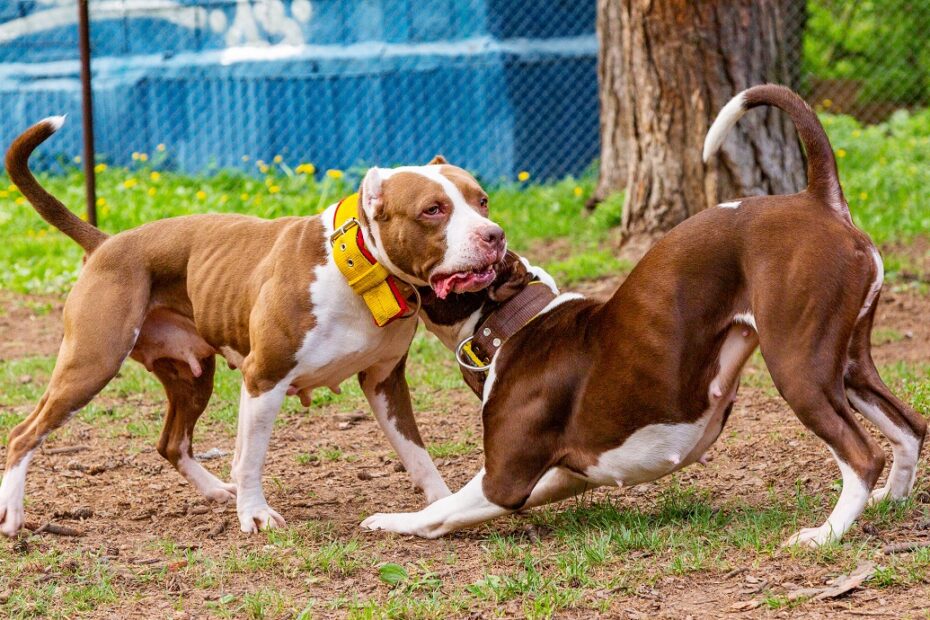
(124, 502)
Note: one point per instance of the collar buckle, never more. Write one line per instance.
(343, 229)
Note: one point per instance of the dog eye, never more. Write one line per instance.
(433, 210)
(484, 202)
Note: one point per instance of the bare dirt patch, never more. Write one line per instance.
(135, 514)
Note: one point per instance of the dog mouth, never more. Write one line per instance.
(467, 281)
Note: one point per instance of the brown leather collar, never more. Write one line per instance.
(476, 353)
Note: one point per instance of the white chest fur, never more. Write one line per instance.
(345, 339)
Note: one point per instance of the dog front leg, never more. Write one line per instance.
(470, 506)
(385, 387)
(256, 415)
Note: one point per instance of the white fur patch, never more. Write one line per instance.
(734, 204)
(561, 299)
(55, 122)
(12, 493)
(541, 274)
(852, 501)
(876, 284)
(728, 116)
(905, 449)
(746, 318)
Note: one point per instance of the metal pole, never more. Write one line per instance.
(87, 111)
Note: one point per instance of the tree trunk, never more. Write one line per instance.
(666, 69)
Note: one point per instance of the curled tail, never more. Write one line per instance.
(49, 207)
(822, 178)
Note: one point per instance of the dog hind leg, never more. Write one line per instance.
(900, 424)
(188, 396)
(101, 325)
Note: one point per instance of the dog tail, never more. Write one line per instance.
(50, 208)
(822, 177)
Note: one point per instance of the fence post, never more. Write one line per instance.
(87, 112)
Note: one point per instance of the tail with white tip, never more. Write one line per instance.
(49, 207)
(822, 177)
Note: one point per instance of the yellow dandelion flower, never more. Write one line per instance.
(160, 148)
(863, 195)
(523, 176)
(245, 158)
(306, 169)
(274, 189)
(143, 157)
(135, 156)
(20, 201)
(101, 201)
(155, 175)
(278, 159)
(856, 133)
(42, 232)
(130, 183)
(12, 187)
(826, 103)
(201, 195)
(77, 159)
(263, 168)
(152, 191)
(243, 196)
(223, 199)
(841, 153)
(334, 173)
(4, 193)
(100, 168)
(578, 191)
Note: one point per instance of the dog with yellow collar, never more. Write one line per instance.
(295, 303)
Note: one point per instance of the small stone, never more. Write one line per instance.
(364, 475)
(344, 426)
(199, 510)
(24, 379)
(909, 334)
(398, 466)
(868, 528)
(112, 552)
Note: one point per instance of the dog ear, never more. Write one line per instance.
(371, 193)
(439, 159)
(512, 277)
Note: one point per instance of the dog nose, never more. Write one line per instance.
(493, 235)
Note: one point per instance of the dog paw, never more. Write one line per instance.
(254, 519)
(389, 522)
(221, 493)
(812, 537)
(880, 495)
(11, 519)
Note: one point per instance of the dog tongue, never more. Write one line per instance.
(461, 282)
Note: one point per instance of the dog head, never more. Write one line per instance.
(455, 316)
(430, 226)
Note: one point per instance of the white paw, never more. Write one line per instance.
(222, 493)
(12, 517)
(812, 537)
(398, 522)
(257, 518)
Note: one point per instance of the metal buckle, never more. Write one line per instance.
(465, 346)
(346, 225)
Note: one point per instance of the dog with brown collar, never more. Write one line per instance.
(632, 389)
(295, 303)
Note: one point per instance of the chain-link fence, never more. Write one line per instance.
(498, 86)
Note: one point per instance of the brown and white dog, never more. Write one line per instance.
(268, 296)
(630, 390)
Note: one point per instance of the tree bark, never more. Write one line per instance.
(666, 69)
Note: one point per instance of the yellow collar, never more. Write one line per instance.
(366, 276)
